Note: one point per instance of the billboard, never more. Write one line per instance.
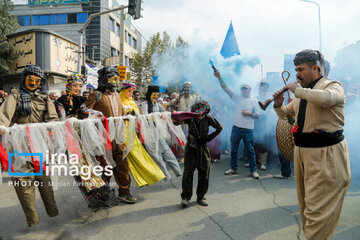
(24, 47)
(63, 55)
(20, 2)
(55, 2)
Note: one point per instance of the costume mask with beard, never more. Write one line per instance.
(108, 79)
(151, 96)
(28, 85)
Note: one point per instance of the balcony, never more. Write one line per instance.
(115, 60)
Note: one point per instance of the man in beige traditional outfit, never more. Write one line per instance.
(185, 99)
(184, 102)
(322, 167)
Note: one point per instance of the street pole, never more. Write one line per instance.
(122, 37)
(81, 31)
(318, 5)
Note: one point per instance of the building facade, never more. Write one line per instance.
(109, 38)
(56, 55)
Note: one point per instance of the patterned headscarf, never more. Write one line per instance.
(128, 85)
(24, 105)
(201, 107)
(75, 77)
(308, 55)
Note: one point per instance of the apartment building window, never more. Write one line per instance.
(117, 29)
(81, 17)
(134, 43)
(44, 19)
(114, 52)
(129, 39)
(35, 19)
(61, 18)
(112, 25)
(126, 61)
(71, 17)
(52, 19)
(23, 20)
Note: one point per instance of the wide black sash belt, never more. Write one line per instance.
(317, 139)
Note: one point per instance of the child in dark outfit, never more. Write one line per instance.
(197, 154)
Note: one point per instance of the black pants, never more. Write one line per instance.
(196, 158)
(285, 166)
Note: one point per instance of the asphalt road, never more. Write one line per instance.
(239, 208)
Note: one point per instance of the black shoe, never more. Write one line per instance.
(202, 202)
(127, 198)
(103, 193)
(111, 201)
(94, 203)
(184, 203)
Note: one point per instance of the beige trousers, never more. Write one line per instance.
(25, 190)
(322, 180)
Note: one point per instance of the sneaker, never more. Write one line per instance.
(215, 161)
(203, 202)
(127, 198)
(231, 172)
(280, 176)
(263, 167)
(184, 203)
(255, 175)
(247, 165)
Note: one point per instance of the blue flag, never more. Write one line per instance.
(230, 47)
(155, 80)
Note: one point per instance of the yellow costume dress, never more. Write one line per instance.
(142, 167)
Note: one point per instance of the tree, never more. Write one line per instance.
(7, 56)
(142, 66)
(8, 24)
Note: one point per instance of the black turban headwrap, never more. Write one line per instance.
(104, 74)
(308, 55)
(151, 90)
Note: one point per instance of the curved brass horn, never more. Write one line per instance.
(264, 104)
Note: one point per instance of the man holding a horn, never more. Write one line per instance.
(321, 158)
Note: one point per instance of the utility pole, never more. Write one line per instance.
(81, 31)
(122, 36)
(318, 5)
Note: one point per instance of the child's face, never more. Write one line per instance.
(201, 116)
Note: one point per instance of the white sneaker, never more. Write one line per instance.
(263, 167)
(246, 165)
(255, 175)
(231, 172)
